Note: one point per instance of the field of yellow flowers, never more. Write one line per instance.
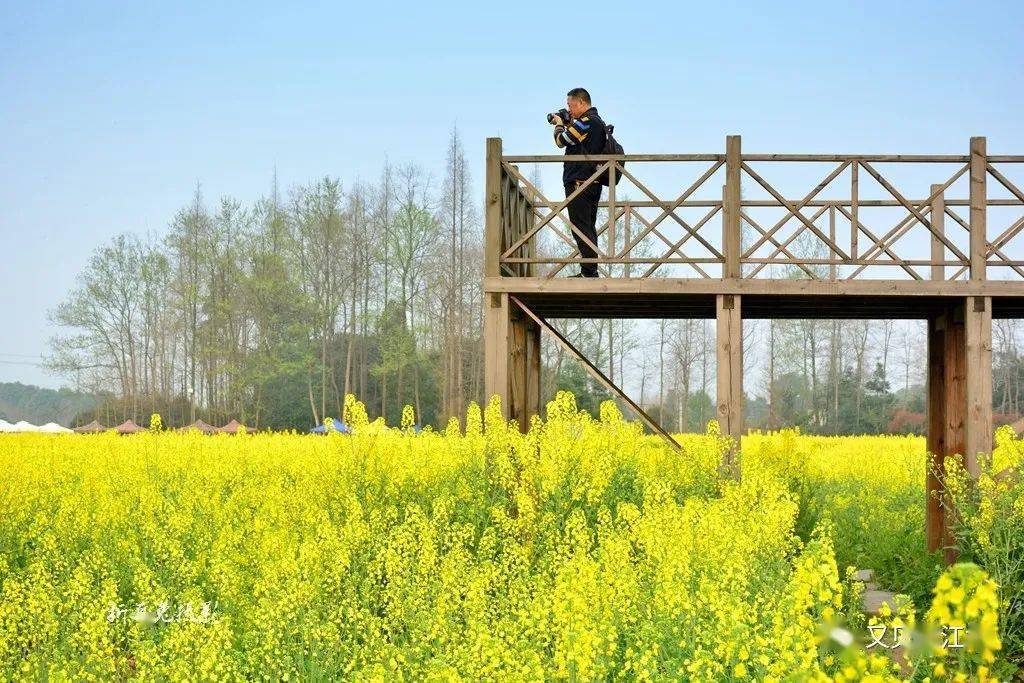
(581, 550)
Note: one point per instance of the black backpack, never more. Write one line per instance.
(611, 146)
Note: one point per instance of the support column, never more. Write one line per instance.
(732, 243)
(943, 432)
(729, 394)
(978, 208)
(978, 381)
(511, 359)
(959, 403)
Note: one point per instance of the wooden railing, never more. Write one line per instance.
(727, 220)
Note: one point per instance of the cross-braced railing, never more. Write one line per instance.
(736, 215)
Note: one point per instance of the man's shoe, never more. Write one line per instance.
(590, 274)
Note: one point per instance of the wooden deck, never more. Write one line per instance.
(762, 299)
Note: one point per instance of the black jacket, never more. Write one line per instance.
(585, 135)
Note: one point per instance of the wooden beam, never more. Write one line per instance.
(686, 286)
(955, 375)
(937, 532)
(978, 381)
(729, 394)
(597, 374)
(496, 348)
(731, 239)
(492, 209)
(979, 237)
(938, 215)
(946, 422)
(812, 158)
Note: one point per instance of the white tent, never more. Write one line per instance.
(6, 426)
(23, 426)
(54, 428)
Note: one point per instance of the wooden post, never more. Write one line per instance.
(832, 236)
(729, 394)
(954, 378)
(978, 382)
(854, 209)
(938, 533)
(937, 217)
(524, 370)
(492, 210)
(978, 172)
(610, 249)
(731, 241)
(512, 359)
(959, 402)
(496, 347)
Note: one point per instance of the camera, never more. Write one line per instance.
(563, 113)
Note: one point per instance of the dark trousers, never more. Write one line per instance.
(583, 215)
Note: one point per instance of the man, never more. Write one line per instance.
(584, 133)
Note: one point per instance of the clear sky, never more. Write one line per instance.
(110, 114)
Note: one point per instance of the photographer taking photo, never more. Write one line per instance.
(580, 130)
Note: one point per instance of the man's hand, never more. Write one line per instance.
(556, 120)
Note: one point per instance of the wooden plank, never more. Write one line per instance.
(833, 158)
(729, 378)
(559, 158)
(731, 242)
(620, 261)
(597, 374)
(878, 261)
(890, 158)
(978, 381)
(769, 203)
(492, 209)
(641, 286)
(979, 236)
(938, 213)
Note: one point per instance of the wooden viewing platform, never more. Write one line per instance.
(851, 245)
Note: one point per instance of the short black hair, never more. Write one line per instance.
(579, 94)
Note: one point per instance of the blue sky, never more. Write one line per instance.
(110, 114)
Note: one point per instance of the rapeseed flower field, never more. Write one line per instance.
(580, 550)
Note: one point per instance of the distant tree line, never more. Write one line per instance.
(271, 313)
(38, 405)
